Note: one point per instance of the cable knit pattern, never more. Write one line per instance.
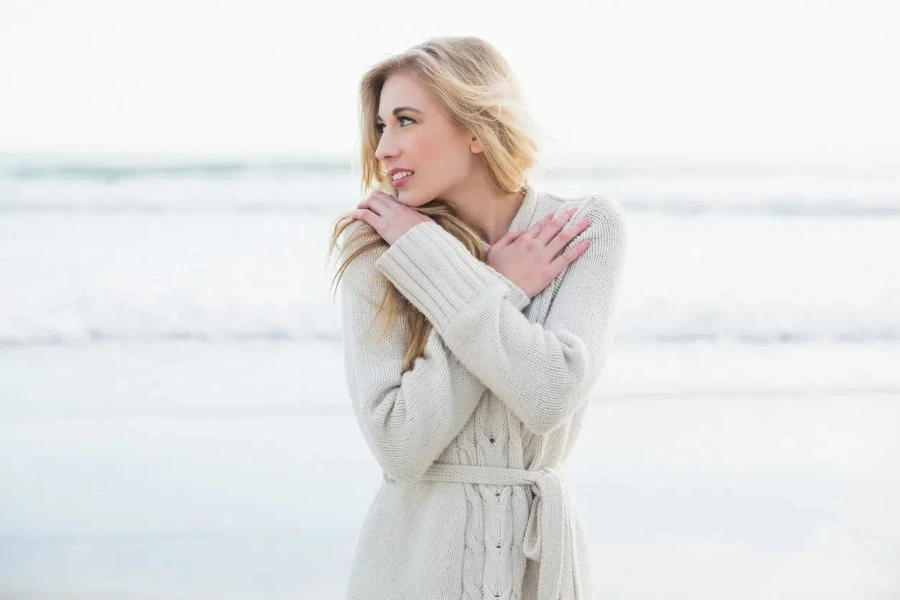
(472, 440)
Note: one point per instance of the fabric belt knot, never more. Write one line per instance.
(548, 536)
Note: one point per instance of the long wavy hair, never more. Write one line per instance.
(482, 95)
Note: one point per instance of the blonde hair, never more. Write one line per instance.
(481, 94)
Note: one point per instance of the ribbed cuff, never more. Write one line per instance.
(435, 272)
(514, 293)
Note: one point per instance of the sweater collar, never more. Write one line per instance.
(523, 217)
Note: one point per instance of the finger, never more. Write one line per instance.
(567, 257)
(533, 231)
(567, 234)
(364, 214)
(555, 225)
(508, 238)
(517, 235)
(376, 205)
(387, 198)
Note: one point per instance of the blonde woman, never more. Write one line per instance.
(498, 303)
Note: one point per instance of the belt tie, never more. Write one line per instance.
(548, 536)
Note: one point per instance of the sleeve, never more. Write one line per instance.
(407, 417)
(542, 372)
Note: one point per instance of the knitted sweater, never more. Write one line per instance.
(473, 438)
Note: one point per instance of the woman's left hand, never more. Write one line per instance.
(390, 218)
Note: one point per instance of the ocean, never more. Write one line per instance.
(174, 422)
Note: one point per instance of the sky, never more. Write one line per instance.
(783, 80)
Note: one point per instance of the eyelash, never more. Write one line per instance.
(380, 125)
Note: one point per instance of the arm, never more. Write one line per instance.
(542, 372)
(407, 417)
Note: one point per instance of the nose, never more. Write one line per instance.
(386, 148)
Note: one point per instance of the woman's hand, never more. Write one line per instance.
(527, 258)
(390, 218)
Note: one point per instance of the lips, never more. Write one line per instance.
(402, 180)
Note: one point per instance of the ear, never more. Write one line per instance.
(475, 145)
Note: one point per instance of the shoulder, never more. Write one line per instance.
(360, 274)
(608, 222)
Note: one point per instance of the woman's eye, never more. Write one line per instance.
(380, 125)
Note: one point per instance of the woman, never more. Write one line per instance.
(498, 302)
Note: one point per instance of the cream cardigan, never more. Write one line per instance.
(473, 438)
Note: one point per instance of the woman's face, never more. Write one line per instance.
(421, 138)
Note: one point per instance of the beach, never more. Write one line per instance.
(174, 422)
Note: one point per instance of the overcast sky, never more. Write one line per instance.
(704, 79)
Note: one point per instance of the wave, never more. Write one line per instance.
(110, 172)
(169, 208)
(318, 187)
(126, 166)
(780, 337)
(313, 206)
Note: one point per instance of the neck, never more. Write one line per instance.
(489, 211)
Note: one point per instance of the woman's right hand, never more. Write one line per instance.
(528, 258)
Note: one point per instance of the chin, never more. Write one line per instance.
(402, 197)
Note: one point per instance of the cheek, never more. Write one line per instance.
(434, 150)
(426, 147)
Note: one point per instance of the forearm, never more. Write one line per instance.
(541, 371)
(407, 417)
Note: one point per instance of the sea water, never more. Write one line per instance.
(174, 422)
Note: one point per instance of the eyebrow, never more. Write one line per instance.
(400, 109)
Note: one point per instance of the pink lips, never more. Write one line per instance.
(402, 180)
